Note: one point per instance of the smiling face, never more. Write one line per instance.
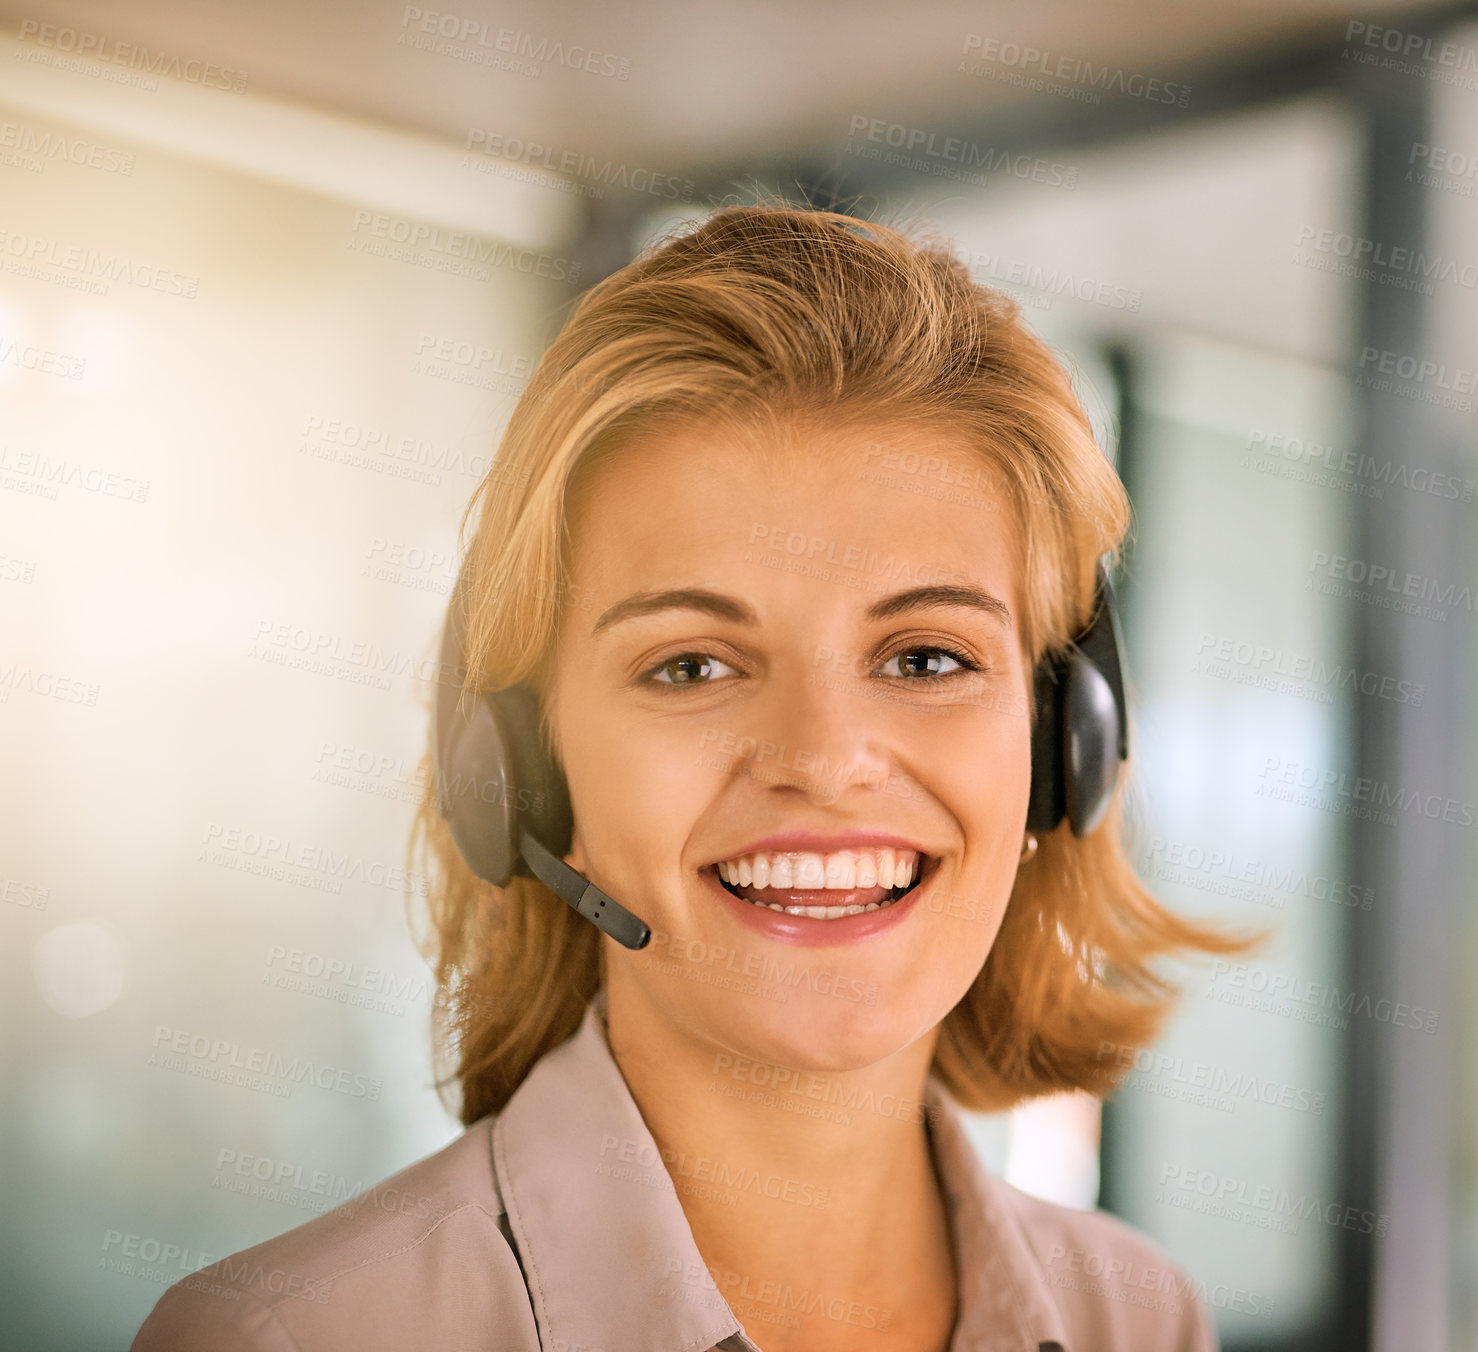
(799, 666)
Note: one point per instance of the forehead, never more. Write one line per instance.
(882, 504)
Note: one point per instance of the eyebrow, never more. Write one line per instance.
(737, 612)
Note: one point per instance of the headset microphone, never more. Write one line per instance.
(507, 804)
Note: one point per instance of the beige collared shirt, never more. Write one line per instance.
(553, 1226)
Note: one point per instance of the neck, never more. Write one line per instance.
(821, 1219)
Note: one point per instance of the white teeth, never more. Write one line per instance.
(824, 912)
(841, 870)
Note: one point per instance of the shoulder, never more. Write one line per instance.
(423, 1259)
(1113, 1286)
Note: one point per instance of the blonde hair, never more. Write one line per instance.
(761, 313)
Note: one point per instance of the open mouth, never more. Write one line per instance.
(824, 889)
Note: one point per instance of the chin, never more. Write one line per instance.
(819, 1033)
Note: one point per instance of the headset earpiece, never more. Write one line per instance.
(1081, 735)
(504, 798)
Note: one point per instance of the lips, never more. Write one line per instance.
(831, 887)
(834, 928)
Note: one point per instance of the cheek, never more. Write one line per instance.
(628, 789)
(963, 909)
(982, 775)
(978, 762)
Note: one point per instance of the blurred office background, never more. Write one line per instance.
(271, 278)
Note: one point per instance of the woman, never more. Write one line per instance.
(801, 513)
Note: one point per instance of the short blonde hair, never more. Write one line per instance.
(760, 313)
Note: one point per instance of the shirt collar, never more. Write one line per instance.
(607, 1251)
(1005, 1302)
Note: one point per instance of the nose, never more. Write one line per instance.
(810, 733)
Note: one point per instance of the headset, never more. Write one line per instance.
(507, 803)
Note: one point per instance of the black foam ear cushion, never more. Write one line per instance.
(491, 774)
(1090, 744)
(1048, 800)
(542, 797)
(1081, 733)
(475, 788)
(472, 771)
